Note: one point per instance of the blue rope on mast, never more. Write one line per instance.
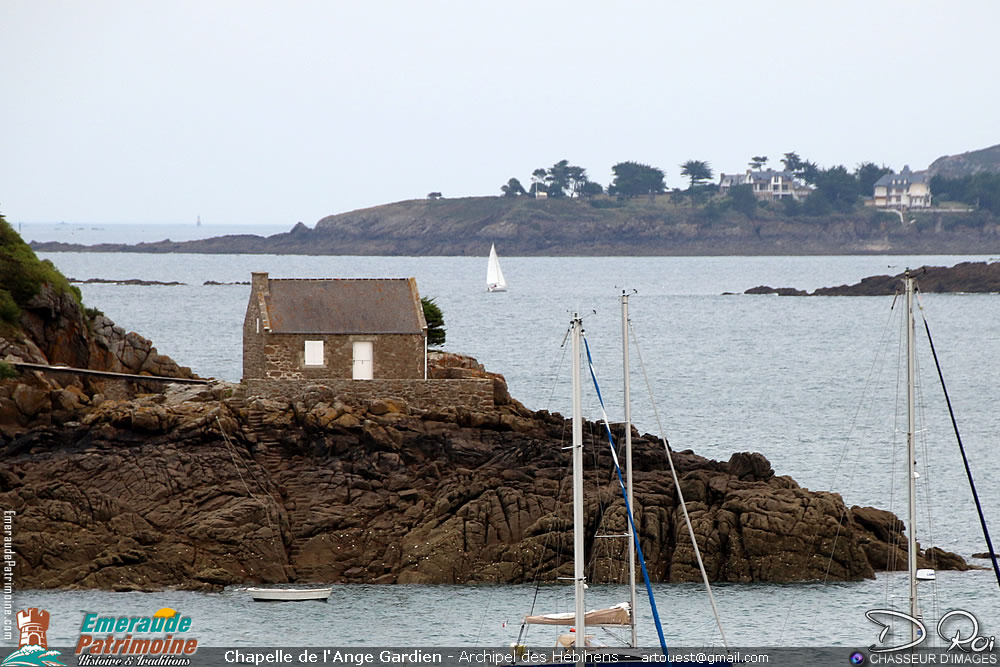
(628, 507)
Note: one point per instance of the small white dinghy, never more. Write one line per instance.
(289, 594)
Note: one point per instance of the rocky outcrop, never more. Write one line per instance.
(450, 366)
(54, 330)
(967, 277)
(967, 164)
(202, 487)
(780, 291)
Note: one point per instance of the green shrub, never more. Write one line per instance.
(9, 312)
(22, 274)
(435, 322)
(606, 203)
(7, 371)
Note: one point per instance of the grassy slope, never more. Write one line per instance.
(22, 275)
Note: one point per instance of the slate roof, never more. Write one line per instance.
(768, 174)
(904, 177)
(344, 306)
(732, 180)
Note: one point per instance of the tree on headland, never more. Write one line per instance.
(538, 181)
(562, 180)
(698, 171)
(867, 173)
(742, 199)
(838, 187)
(980, 190)
(434, 195)
(792, 162)
(758, 161)
(808, 172)
(435, 321)
(803, 169)
(513, 188)
(633, 179)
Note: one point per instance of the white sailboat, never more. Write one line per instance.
(911, 457)
(622, 614)
(916, 574)
(495, 282)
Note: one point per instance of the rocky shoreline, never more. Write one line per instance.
(202, 487)
(966, 277)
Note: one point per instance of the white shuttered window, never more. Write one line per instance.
(314, 353)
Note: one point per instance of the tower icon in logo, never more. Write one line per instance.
(33, 624)
(33, 648)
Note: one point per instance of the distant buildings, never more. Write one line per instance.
(767, 185)
(907, 189)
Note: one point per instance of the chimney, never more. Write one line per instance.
(258, 282)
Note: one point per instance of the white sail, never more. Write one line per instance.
(617, 615)
(495, 281)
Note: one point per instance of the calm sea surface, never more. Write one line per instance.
(809, 382)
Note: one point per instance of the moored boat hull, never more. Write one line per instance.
(289, 594)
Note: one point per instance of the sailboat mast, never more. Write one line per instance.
(628, 468)
(578, 527)
(911, 455)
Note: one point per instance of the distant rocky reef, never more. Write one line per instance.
(122, 281)
(967, 277)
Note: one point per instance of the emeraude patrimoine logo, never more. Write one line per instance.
(129, 635)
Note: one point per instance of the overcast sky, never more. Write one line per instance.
(274, 112)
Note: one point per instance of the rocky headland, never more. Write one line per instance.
(524, 226)
(966, 277)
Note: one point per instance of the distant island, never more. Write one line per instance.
(641, 226)
(951, 208)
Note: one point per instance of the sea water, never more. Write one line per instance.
(797, 379)
(812, 614)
